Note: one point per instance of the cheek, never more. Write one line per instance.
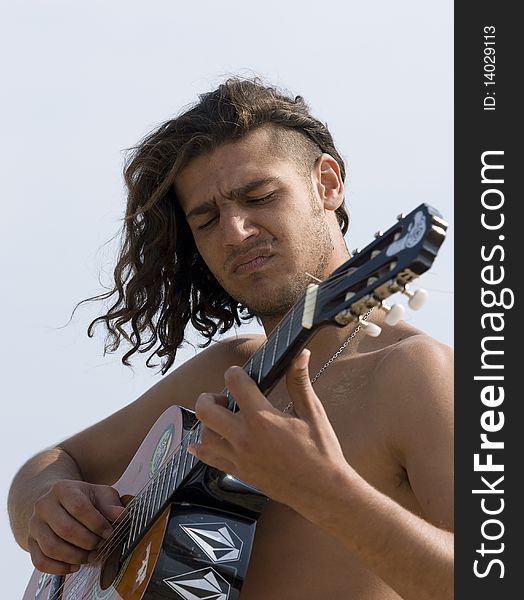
(210, 254)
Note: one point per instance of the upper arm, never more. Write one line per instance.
(104, 450)
(419, 375)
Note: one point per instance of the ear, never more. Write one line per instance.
(328, 182)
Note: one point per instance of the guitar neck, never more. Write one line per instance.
(271, 360)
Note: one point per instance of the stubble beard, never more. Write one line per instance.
(317, 247)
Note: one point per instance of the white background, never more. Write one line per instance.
(82, 81)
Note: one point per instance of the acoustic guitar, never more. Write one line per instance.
(189, 528)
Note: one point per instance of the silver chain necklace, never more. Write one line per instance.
(335, 356)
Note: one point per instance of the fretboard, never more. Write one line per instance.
(271, 360)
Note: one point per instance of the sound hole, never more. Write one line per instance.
(111, 567)
(111, 558)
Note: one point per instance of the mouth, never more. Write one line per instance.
(251, 261)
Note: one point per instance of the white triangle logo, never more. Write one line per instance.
(204, 584)
(219, 542)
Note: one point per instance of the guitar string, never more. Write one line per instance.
(123, 527)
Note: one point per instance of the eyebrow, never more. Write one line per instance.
(208, 205)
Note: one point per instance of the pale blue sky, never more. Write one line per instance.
(82, 81)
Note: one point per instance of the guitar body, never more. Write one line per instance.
(198, 546)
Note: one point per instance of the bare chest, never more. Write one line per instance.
(292, 558)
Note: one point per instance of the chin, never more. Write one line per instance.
(270, 303)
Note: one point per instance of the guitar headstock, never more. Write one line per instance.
(386, 266)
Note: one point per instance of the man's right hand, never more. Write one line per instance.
(69, 523)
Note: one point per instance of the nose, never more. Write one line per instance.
(236, 227)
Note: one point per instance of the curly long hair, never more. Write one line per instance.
(160, 281)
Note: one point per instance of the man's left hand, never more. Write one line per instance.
(287, 457)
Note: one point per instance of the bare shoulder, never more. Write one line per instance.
(210, 364)
(414, 377)
(402, 360)
(413, 387)
(103, 450)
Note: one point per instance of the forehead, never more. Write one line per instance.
(230, 166)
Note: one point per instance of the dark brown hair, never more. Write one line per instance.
(160, 281)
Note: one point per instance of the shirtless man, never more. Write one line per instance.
(361, 485)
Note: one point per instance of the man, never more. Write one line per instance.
(233, 208)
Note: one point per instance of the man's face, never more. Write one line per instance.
(258, 223)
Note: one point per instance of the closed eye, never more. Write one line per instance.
(261, 200)
(208, 223)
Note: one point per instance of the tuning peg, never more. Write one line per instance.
(370, 328)
(379, 233)
(400, 216)
(416, 299)
(355, 251)
(393, 313)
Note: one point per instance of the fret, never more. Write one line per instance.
(143, 510)
(177, 468)
(163, 495)
(170, 486)
(137, 510)
(276, 345)
(198, 430)
(129, 540)
(194, 438)
(283, 339)
(156, 483)
(146, 507)
(180, 468)
(178, 474)
(140, 518)
(256, 359)
(186, 454)
(290, 326)
(284, 336)
(261, 368)
(296, 327)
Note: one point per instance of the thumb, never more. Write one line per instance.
(299, 386)
(108, 502)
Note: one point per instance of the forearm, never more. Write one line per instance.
(36, 476)
(411, 555)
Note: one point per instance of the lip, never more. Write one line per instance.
(251, 260)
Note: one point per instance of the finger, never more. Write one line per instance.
(81, 507)
(70, 530)
(48, 565)
(305, 401)
(210, 456)
(107, 500)
(245, 391)
(214, 416)
(57, 548)
(208, 437)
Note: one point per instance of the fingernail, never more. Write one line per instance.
(92, 556)
(74, 568)
(107, 533)
(303, 359)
